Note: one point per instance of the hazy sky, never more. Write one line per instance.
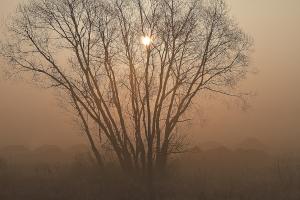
(31, 116)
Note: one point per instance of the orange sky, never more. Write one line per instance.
(31, 116)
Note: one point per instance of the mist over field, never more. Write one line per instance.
(245, 171)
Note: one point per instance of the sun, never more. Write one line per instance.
(146, 40)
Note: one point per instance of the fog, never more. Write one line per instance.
(233, 152)
(31, 116)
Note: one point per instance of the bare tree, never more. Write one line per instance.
(130, 68)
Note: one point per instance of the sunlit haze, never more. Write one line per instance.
(149, 99)
(273, 116)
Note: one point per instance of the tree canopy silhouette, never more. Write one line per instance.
(129, 68)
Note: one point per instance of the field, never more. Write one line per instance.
(218, 173)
